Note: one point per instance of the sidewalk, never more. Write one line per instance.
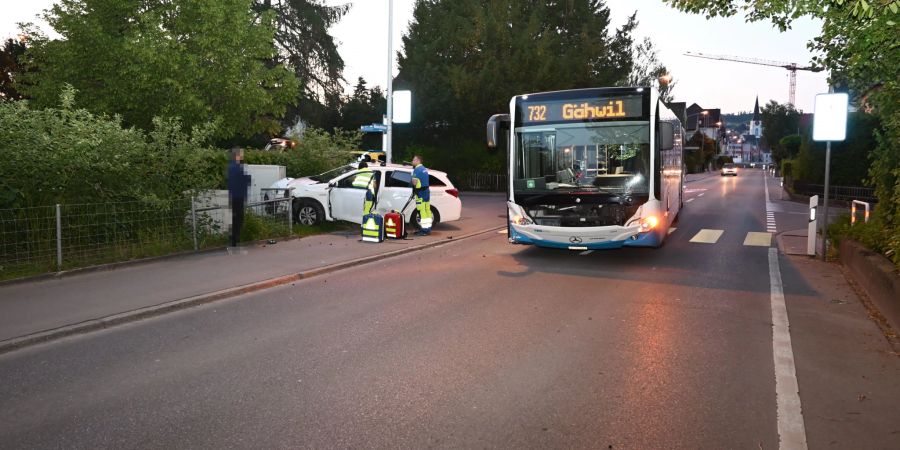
(49, 308)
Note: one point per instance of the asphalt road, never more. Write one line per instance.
(472, 344)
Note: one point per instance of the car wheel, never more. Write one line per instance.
(308, 212)
(435, 221)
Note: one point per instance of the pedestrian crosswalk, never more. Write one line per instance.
(751, 239)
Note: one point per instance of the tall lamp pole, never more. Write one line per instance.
(389, 119)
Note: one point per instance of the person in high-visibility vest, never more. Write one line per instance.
(365, 179)
(423, 196)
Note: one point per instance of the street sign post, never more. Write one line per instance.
(829, 124)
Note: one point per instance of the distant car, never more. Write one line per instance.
(729, 169)
(279, 145)
(375, 156)
(331, 196)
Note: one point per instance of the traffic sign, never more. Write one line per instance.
(374, 128)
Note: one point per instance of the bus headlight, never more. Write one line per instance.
(648, 223)
(521, 220)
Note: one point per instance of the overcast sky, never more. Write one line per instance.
(362, 38)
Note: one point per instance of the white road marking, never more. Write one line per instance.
(706, 236)
(771, 225)
(672, 230)
(701, 194)
(586, 252)
(502, 232)
(689, 200)
(755, 238)
(791, 429)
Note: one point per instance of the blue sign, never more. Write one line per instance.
(374, 128)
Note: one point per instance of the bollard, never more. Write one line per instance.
(853, 211)
(811, 230)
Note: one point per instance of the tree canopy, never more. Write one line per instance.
(464, 59)
(200, 60)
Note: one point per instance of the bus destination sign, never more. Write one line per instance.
(582, 110)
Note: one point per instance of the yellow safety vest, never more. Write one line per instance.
(363, 179)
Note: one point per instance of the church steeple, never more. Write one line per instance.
(756, 118)
(756, 122)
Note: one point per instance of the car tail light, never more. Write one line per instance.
(453, 192)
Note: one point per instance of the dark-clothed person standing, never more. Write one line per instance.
(238, 183)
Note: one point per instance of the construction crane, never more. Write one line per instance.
(791, 67)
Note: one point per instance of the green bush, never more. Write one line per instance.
(721, 160)
(317, 152)
(68, 155)
(873, 235)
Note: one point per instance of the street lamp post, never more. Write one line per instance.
(389, 120)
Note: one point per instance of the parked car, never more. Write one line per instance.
(729, 169)
(331, 196)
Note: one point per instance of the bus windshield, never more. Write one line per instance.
(609, 156)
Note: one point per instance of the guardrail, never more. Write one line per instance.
(478, 181)
(846, 193)
(66, 236)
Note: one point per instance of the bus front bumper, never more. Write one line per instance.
(593, 238)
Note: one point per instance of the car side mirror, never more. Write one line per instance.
(332, 184)
(666, 136)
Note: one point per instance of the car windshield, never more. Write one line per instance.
(332, 174)
(606, 157)
(729, 166)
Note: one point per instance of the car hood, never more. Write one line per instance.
(299, 184)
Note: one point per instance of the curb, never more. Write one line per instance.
(876, 275)
(184, 303)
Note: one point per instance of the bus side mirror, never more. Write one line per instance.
(495, 126)
(666, 136)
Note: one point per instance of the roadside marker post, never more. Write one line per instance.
(811, 230)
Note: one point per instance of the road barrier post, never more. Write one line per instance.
(811, 230)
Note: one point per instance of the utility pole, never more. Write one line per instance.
(389, 119)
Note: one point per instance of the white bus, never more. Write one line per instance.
(591, 168)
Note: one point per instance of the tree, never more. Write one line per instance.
(647, 69)
(301, 34)
(464, 59)
(779, 120)
(11, 67)
(787, 148)
(860, 45)
(200, 60)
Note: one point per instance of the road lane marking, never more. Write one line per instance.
(707, 236)
(755, 238)
(701, 194)
(689, 200)
(586, 252)
(672, 230)
(791, 430)
(502, 232)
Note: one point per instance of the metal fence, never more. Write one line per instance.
(475, 181)
(66, 236)
(847, 193)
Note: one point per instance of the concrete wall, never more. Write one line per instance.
(877, 276)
